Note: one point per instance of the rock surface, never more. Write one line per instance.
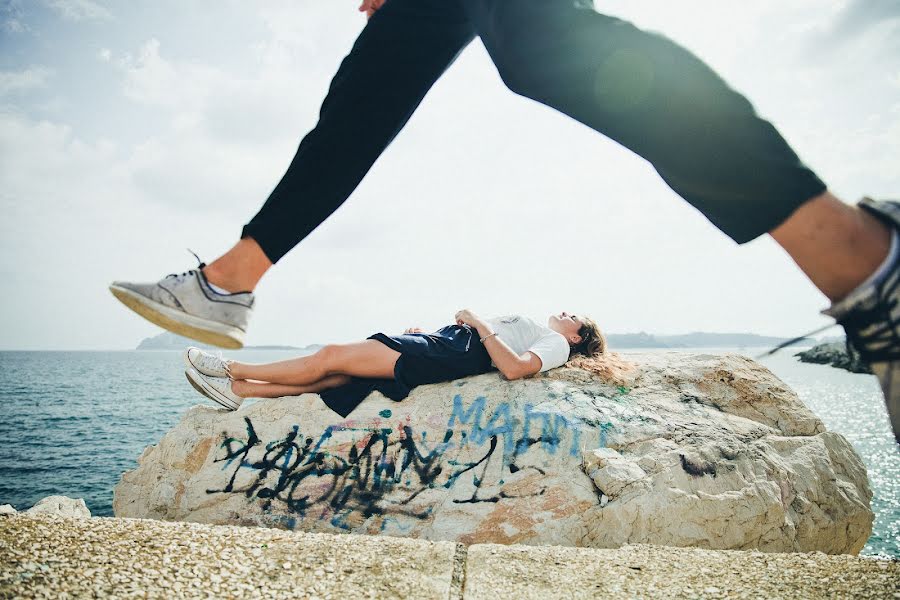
(44, 557)
(61, 506)
(834, 354)
(685, 450)
(7, 509)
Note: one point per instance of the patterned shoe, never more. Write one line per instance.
(871, 319)
(185, 304)
(206, 363)
(214, 388)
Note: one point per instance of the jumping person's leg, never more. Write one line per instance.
(837, 245)
(655, 98)
(705, 139)
(403, 49)
(707, 142)
(369, 358)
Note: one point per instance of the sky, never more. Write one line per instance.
(131, 131)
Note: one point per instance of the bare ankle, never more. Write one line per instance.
(240, 388)
(239, 269)
(235, 370)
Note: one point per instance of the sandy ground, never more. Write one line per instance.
(54, 557)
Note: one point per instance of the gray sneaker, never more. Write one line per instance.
(186, 305)
(871, 319)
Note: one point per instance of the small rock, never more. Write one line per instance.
(62, 506)
(7, 509)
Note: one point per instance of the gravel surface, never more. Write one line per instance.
(664, 572)
(52, 557)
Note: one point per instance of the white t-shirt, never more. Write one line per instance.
(523, 335)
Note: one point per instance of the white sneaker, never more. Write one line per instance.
(214, 388)
(206, 363)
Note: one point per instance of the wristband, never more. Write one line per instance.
(487, 336)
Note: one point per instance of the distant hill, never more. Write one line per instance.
(171, 341)
(697, 339)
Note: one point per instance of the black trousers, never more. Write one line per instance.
(638, 88)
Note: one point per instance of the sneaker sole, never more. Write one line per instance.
(176, 321)
(210, 393)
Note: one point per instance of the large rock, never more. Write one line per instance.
(684, 450)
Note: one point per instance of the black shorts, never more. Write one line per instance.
(449, 353)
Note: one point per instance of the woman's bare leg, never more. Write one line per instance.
(369, 358)
(260, 389)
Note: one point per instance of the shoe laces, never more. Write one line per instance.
(859, 319)
(226, 364)
(180, 276)
(795, 340)
(209, 357)
(878, 323)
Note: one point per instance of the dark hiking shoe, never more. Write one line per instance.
(186, 305)
(871, 319)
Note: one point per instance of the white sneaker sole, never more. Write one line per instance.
(196, 380)
(177, 321)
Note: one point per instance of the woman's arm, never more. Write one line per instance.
(508, 362)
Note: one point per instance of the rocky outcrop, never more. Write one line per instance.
(834, 354)
(685, 450)
(61, 506)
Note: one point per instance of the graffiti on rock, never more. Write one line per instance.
(350, 472)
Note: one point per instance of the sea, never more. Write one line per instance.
(72, 422)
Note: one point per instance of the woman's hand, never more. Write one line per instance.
(414, 330)
(370, 6)
(467, 317)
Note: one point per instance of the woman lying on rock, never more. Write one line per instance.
(344, 374)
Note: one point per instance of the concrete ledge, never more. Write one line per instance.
(46, 556)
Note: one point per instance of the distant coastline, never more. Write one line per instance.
(171, 341)
(697, 339)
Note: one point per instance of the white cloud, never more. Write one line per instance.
(19, 81)
(14, 26)
(81, 10)
(12, 16)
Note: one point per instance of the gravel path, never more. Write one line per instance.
(53, 557)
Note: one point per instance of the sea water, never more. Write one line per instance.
(72, 422)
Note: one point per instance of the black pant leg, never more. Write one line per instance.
(396, 59)
(655, 98)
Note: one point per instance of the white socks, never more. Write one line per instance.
(217, 289)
